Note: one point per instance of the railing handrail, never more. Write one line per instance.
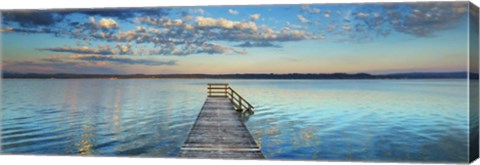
(238, 101)
(214, 88)
(217, 83)
(241, 98)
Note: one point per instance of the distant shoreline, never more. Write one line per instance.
(300, 76)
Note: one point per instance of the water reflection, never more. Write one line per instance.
(360, 120)
(382, 120)
(85, 146)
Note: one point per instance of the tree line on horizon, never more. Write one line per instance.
(427, 75)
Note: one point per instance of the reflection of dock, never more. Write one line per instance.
(218, 131)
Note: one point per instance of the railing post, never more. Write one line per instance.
(239, 103)
(225, 90)
(209, 90)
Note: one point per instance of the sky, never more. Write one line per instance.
(372, 38)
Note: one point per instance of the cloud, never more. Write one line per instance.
(346, 27)
(83, 50)
(123, 49)
(441, 16)
(104, 23)
(121, 60)
(107, 23)
(211, 29)
(302, 19)
(199, 11)
(307, 9)
(421, 19)
(287, 35)
(49, 18)
(153, 33)
(215, 49)
(82, 63)
(180, 36)
(160, 22)
(6, 29)
(83, 30)
(257, 44)
(54, 58)
(267, 35)
(206, 48)
(158, 35)
(121, 13)
(362, 15)
(25, 30)
(208, 22)
(327, 14)
(233, 12)
(184, 38)
(331, 27)
(139, 35)
(31, 19)
(254, 17)
(107, 59)
(294, 26)
(315, 11)
(304, 8)
(101, 50)
(57, 67)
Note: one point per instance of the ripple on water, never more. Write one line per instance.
(329, 120)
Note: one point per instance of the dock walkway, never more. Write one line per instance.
(219, 131)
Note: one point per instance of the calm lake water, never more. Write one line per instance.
(367, 120)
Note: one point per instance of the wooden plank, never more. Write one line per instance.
(223, 154)
(219, 132)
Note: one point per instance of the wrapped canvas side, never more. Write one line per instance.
(474, 86)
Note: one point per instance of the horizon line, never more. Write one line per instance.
(264, 73)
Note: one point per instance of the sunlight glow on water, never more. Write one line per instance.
(376, 120)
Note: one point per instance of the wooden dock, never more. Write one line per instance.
(219, 131)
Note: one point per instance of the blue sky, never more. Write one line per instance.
(316, 38)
